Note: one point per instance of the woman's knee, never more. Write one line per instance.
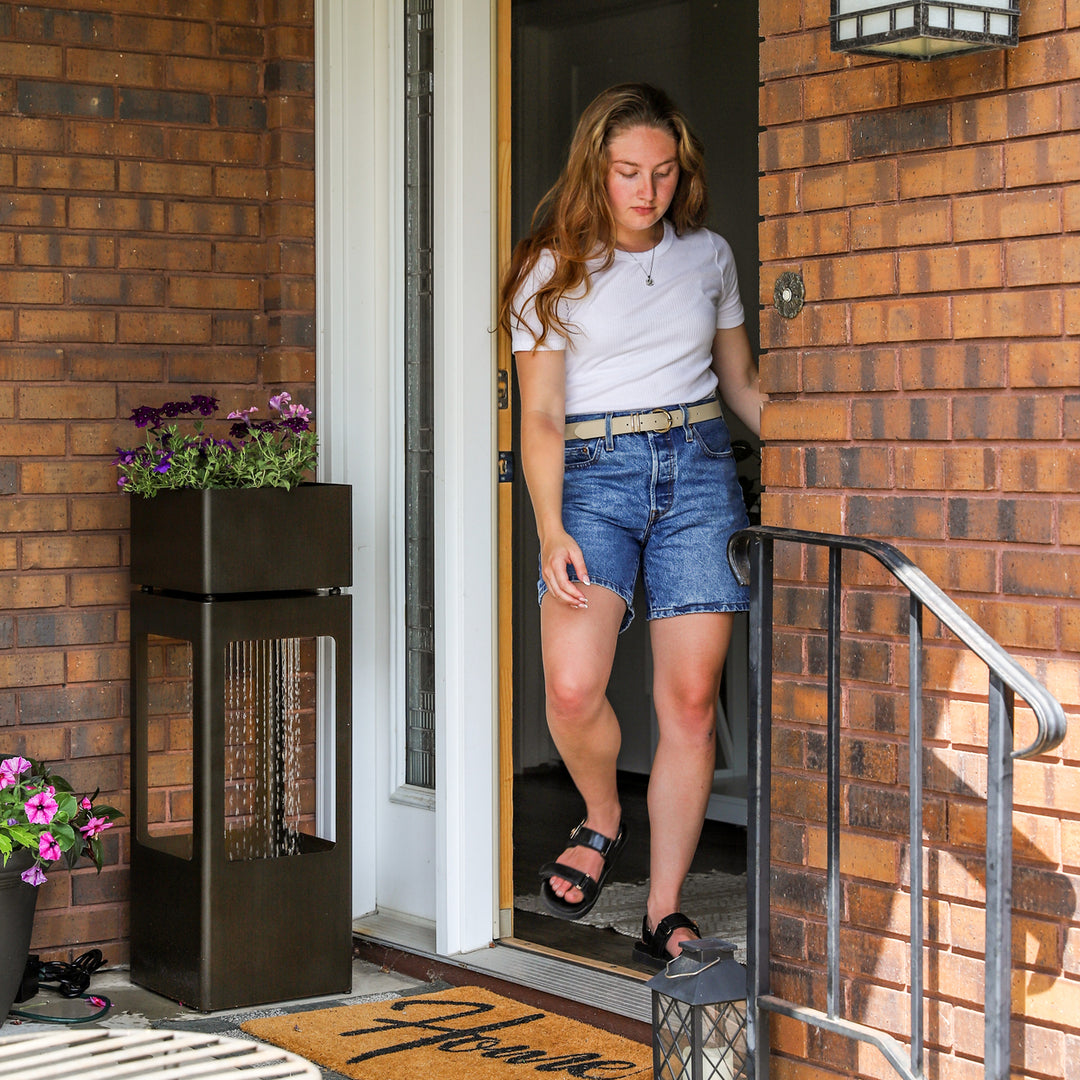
(689, 714)
(571, 695)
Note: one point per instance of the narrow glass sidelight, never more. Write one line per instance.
(419, 399)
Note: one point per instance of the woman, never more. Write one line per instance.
(626, 322)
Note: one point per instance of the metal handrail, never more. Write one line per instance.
(750, 553)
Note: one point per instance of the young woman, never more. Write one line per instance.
(626, 324)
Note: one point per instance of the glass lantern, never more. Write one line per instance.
(699, 1014)
(923, 29)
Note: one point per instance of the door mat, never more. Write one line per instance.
(464, 1033)
(715, 901)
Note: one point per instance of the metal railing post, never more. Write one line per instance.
(759, 784)
(999, 797)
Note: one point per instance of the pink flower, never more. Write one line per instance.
(95, 1002)
(302, 412)
(95, 827)
(242, 414)
(86, 804)
(279, 401)
(48, 848)
(41, 808)
(33, 876)
(11, 769)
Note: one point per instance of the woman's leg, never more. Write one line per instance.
(688, 660)
(579, 646)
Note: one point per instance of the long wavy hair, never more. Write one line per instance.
(574, 220)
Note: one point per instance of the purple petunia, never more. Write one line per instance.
(204, 404)
(164, 460)
(145, 416)
(33, 876)
(279, 401)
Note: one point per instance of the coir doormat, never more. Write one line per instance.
(463, 1032)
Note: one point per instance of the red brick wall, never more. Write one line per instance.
(928, 394)
(156, 240)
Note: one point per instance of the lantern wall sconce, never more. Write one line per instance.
(923, 29)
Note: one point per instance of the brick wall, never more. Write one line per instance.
(156, 240)
(928, 394)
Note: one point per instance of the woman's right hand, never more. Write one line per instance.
(558, 551)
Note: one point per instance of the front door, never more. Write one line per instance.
(563, 53)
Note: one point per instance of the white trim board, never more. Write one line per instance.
(359, 400)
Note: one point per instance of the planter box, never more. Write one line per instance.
(17, 903)
(225, 541)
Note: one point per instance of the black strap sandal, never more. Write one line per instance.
(652, 948)
(582, 836)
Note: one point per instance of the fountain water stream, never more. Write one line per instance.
(262, 748)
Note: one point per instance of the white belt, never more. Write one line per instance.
(654, 420)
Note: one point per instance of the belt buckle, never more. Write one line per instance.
(666, 415)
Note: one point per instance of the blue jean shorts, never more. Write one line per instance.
(662, 502)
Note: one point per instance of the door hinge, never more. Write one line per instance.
(502, 388)
(506, 466)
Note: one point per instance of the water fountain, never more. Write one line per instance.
(240, 846)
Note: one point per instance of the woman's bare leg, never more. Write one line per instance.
(579, 647)
(688, 660)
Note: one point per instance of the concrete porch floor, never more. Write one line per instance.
(135, 1007)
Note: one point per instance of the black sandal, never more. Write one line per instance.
(582, 836)
(652, 948)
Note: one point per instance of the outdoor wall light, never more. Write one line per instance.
(923, 29)
(699, 1014)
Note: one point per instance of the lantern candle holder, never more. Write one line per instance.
(699, 1014)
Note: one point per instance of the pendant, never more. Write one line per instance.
(648, 281)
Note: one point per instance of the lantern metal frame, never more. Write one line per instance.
(698, 1003)
(925, 38)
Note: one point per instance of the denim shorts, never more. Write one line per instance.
(664, 502)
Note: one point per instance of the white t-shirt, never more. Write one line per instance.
(636, 346)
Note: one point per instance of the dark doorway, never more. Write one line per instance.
(705, 55)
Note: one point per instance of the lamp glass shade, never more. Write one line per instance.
(923, 29)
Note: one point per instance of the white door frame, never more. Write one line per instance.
(359, 229)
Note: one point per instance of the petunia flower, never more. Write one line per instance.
(33, 876)
(95, 827)
(165, 459)
(48, 848)
(279, 401)
(242, 414)
(145, 416)
(41, 809)
(11, 769)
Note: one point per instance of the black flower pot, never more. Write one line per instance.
(223, 541)
(17, 903)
